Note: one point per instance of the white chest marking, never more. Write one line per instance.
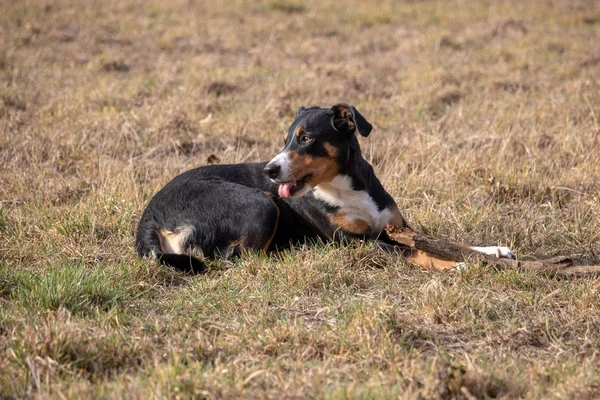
(356, 204)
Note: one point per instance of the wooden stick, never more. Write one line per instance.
(557, 266)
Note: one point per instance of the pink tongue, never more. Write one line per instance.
(284, 190)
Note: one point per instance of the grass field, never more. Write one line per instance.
(486, 120)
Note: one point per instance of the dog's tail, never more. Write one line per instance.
(147, 244)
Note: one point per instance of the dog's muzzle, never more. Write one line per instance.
(278, 169)
(272, 170)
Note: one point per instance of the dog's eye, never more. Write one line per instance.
(306, 139)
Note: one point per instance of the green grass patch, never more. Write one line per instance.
(73, 286)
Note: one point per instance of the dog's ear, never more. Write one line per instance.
(303, 109)
(347, 118)
(300, 111)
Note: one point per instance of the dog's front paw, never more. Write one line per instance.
(498, 251)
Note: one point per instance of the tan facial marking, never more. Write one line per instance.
(331, 151)
(353, 225)
(284, 137)
(323, 169)
(299, 131)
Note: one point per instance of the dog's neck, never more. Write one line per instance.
(357, 195)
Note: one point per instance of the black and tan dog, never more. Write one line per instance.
(318, 187)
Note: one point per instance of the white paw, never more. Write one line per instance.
(500, 252)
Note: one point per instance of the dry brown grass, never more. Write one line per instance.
(486, 131)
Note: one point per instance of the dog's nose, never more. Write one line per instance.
(272, 170)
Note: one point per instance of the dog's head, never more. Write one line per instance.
(317, 146)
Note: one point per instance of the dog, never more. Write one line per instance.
(318, 188)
